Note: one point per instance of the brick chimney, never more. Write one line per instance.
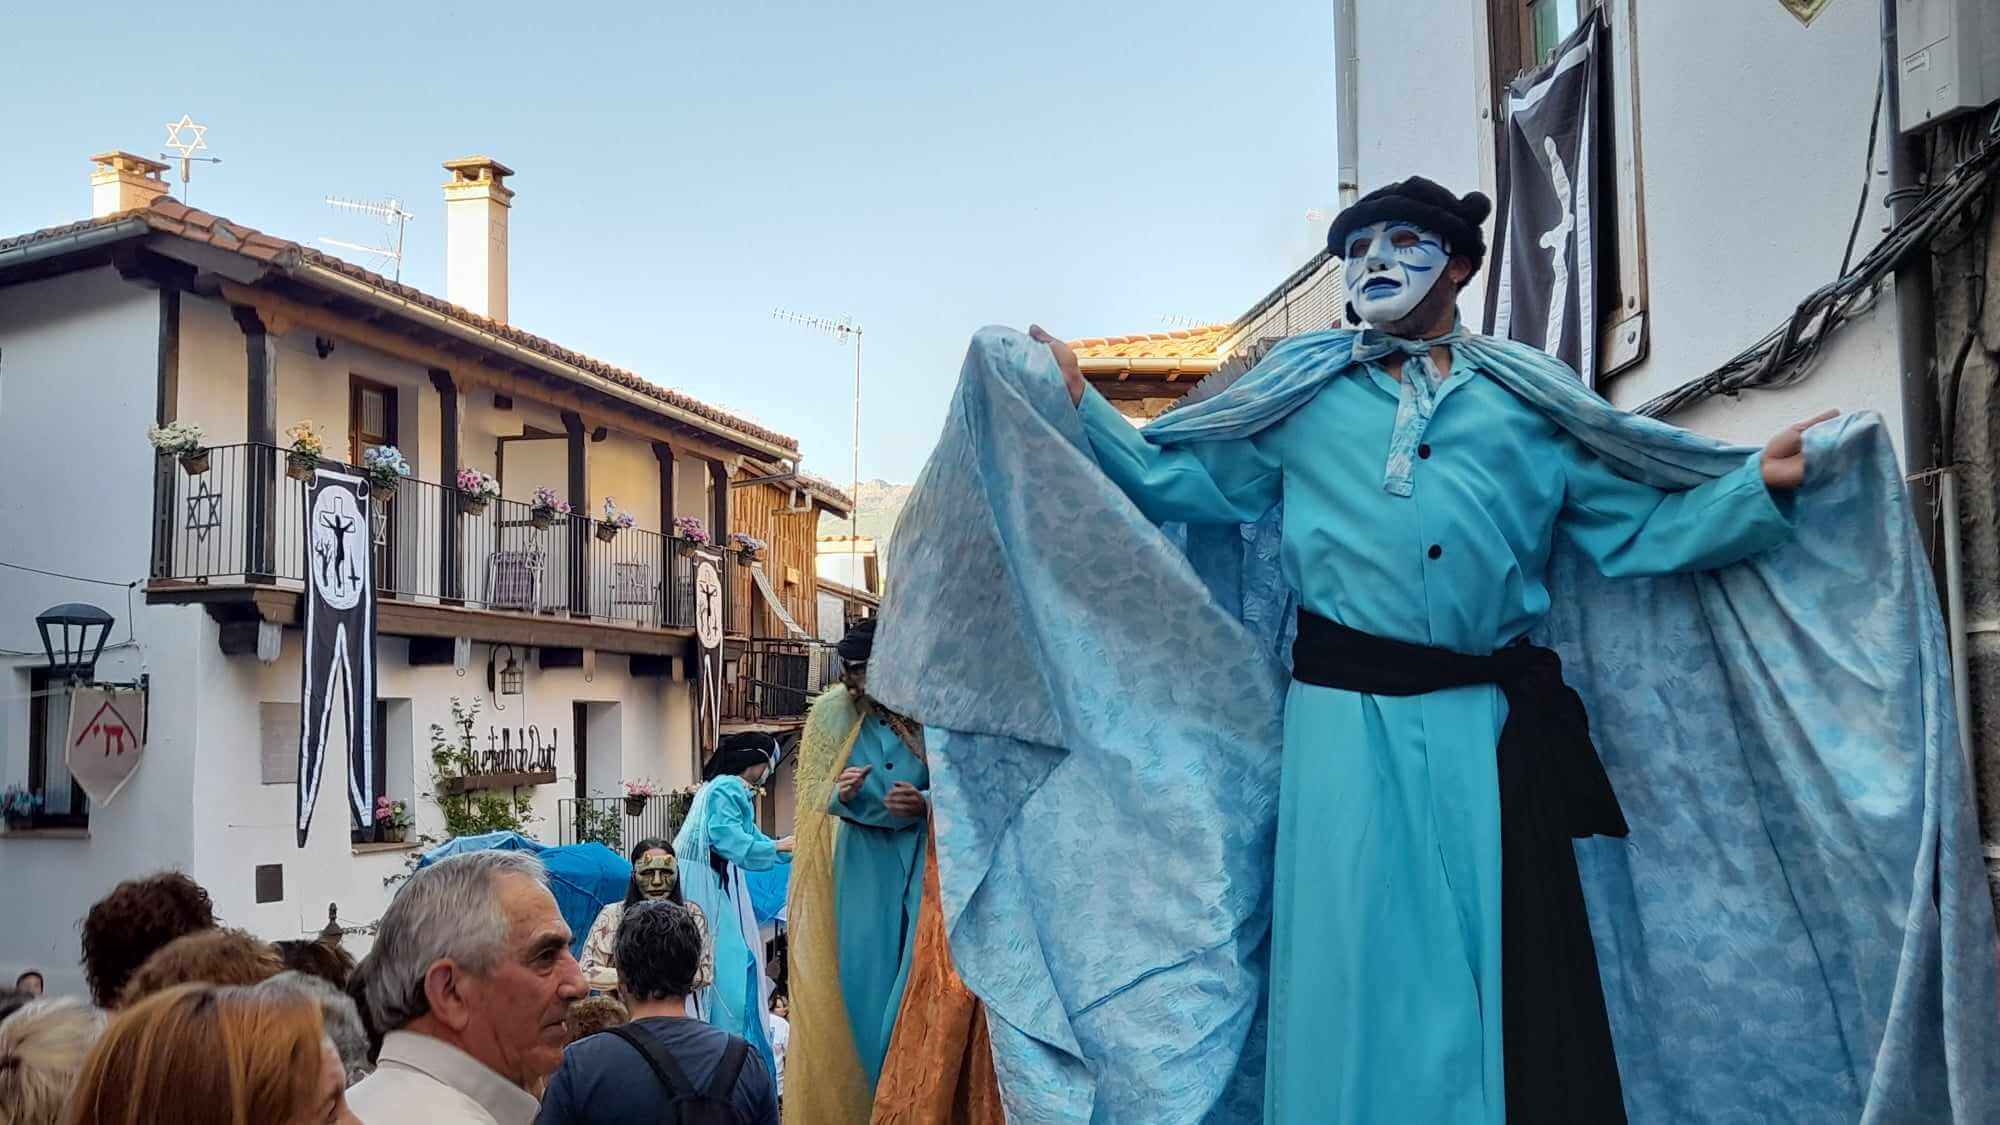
(120, 181)
(476, 202)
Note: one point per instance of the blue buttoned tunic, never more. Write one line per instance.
(1385, 982)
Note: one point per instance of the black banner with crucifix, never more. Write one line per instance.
(707, 580)
(337, 667)
(1544, 289)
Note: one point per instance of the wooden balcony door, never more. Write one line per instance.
(371, 421)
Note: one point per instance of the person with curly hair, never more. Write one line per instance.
(41, 1051)
(593, 1014)
(218, 956)
(131, 923)
(198, 1054)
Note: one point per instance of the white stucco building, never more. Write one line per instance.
(152, 312)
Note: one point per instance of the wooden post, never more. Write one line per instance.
(451, 546)
(260, 525)
(579, 524)
(718, 529)
(166, 407)
(664, 454)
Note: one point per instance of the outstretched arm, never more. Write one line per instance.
(734, 835)
(1632, 529)
(1233, 481)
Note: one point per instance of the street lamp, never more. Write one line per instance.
(509, 675)
(72, 624)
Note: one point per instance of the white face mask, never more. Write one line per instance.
(1391, 266)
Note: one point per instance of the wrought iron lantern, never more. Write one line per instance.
(508, 677)
(73, 636)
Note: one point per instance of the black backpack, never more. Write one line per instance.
(691, 1106)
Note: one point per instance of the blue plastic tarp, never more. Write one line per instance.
(583, 877)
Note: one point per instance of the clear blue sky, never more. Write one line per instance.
(684, 167)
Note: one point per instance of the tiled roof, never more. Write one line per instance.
(170, 216)
(826, 490)
(1187, 343)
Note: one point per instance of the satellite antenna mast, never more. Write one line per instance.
(840, 332)
(187, 138)
(391, 212)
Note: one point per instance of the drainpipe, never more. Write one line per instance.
(1346, 111)
(1916, 354)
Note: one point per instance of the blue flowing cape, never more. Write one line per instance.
(1798, 927)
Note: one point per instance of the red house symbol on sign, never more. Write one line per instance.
(111, 727)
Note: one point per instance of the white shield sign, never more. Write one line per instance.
(107, 737)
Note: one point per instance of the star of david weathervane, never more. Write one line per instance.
(186, 137)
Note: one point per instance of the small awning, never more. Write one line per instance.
(771, 599)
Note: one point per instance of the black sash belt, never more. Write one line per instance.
(1554, 1031)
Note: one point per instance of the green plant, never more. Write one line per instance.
(599, 824)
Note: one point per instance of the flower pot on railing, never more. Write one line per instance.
(635, 806)
(472, 504)
(606, 531)
(300, 466)
(542, 518)
(196, 463)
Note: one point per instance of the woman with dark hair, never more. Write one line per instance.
(717, 843)
(655, 875)
(133, 922)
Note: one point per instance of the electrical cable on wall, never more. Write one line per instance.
(131, 620)
(1785, 355)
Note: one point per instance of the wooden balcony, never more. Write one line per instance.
(234, 538)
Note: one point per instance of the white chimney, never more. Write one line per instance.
(120, 181)
(476, 202)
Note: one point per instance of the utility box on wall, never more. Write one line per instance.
(1950, 58)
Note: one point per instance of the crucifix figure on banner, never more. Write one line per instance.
(338, 665)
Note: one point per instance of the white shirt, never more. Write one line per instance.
(781, 1034)
(426, 1081)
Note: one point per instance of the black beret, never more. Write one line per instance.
(1429, 205)
(858, 642)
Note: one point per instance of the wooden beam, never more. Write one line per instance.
(718, 524)
(480, 371)
(664, 454)
(260, 344)
(451, 550)
(166, 407)
(426, 651)
(579, 502)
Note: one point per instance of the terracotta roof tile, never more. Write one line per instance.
(1187, 343)
(173, 217)
(828, 491)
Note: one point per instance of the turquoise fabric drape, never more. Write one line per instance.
(722, 822)
(1798, 928)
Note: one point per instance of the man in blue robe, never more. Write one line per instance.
(878, 857)
(1434, 765)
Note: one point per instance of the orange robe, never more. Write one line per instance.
(940, 1064)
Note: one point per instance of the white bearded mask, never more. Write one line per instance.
(1391, 267)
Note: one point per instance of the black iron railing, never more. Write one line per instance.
(242, 519)
(778, 679)
(611, 822)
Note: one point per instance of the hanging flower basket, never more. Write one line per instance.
(615, 520)
(305, 452)
(606, 532)
(181, 440)
(637, 793)
(475, 491)
(636, 806)
(196, 463)
(547, 508)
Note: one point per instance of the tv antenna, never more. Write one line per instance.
(187, 138)
(391, 212)
(840, 332)
(1172, 320)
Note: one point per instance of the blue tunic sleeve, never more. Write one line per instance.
(877, 747)
(1234, 481)
(733, 833)
(1631, 529)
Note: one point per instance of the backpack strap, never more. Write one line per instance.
(722, 1084)
(664, 1067)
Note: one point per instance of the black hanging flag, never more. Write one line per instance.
(338, 665)
(1544, 292)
